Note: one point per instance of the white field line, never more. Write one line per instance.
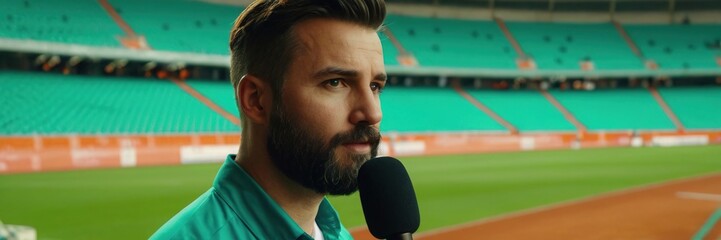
(699, 196)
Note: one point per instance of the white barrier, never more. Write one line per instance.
(688, 140)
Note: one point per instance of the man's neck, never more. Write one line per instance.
(300, 203)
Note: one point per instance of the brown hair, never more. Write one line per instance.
(262, 42)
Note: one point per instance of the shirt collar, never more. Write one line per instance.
(328, 220)
(260, 213)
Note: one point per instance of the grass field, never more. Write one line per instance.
(132, 203)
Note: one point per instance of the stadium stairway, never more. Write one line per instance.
(218, 92)
(404, 57)
(131, 39)
(526, 110)
(208, 102)
(392, 49)
(666, 109)
(631, 44)
(523, 61)
(480, 106)
(566, 114)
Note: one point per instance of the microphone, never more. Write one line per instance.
(389, 201)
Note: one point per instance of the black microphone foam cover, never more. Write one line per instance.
(388, 199)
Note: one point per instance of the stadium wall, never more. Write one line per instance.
(23, 154)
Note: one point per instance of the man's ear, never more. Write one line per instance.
(253, 96)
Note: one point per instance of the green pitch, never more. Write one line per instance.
(132, 203)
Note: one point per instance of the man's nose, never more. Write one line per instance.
(367, 108)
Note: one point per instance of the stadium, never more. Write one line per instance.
(516, 119)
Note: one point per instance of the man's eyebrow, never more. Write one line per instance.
(349, 73)
(336, 71)
(381, 77)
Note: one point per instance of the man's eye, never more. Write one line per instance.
(334, 82)
(376, 87)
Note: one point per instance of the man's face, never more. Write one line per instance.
(326, 123)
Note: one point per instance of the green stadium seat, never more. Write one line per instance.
(220, 92)
(453, 43)
(695, 107)
(390, 53)
(406, 109)
(615, 109)
(527, 110)
(57, 104)
(81, 22)
(49, 104)
(562, 46)
(419, 109)
(678, 46)
(181, 25)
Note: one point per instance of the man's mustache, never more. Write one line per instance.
(361, 133)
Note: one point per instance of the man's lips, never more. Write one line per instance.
(358, 147)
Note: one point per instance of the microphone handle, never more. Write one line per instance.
(402, 236)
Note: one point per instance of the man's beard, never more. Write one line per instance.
(308, 159)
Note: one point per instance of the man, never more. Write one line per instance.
(307, 76)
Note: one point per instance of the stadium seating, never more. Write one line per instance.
(696, 107)
(453, 43)
(56, 104)
(527, 110)
(220, 92)
(615, 109)
(678, 46)
(75, 22)
(53, 104)
(201, 27)
(181, 26)
(390, 53)
(431, 109)
(562, 46)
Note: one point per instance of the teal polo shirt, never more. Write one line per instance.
(236, 207)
